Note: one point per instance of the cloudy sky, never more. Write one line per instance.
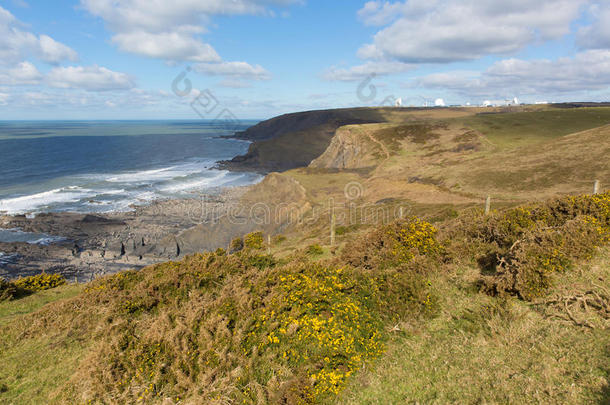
(141, 59)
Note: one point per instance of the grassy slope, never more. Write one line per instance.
(33, 368)
(512, 156)
(511, 130)
(481, 350)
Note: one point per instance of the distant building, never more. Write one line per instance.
(501, 103)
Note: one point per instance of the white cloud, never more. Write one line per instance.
(54, 52)
(166, 45)
(586, 72)
(441, 31)
(91, 78)
(367, 69)
(4, 98)
(23, 73)
(170, 30)
(17, 44)
(240, 70)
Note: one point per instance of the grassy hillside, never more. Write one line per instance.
(503, 308)
(489, 350)
(511, 129)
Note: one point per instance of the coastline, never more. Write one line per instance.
(103, 243)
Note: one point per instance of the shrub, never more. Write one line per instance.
(8, 290)
(528, 268)
(242, 328)
(393, 245)
(237, 244)
(40, 282)
(527, 246)
(315, 250)
(254, 240)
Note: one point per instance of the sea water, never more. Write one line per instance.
(103, 166)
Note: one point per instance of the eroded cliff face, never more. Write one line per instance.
(294, 140)
(350, 148)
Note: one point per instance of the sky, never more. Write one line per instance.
(255, 59)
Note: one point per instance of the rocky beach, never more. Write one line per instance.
(82, 246)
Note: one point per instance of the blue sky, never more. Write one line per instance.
(117, 59)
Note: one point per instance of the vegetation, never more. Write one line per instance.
(254, 240)
(524, 248)
(526, 127)
(29, 285)
(315, 250)
(251, 328)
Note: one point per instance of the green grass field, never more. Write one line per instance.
(509, 130)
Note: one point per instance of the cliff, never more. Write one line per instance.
(294, 140)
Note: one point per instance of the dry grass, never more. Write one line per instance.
(489, 350)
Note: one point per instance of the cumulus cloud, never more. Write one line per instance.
(586, 71)
(17, 44)
(442, 31)
(240, 70)
(54, 52)
(166, 45)
(170, 30)
(367, 69)
(22, 73)
(91, 78)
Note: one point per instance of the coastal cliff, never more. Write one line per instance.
(294, 140)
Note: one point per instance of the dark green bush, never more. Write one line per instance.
(7, 290)
(523, 248)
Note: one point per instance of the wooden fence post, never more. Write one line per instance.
(488, 205)
(333, 219)
(268, 244)
(596, 187)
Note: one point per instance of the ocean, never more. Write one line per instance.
(104, 166)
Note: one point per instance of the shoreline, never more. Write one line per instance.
(104, 243)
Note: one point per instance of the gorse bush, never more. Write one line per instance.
(236, 245)
(527, 246)
(39, 282)
(241, 328)
(393, 245)
(28, 285)
(254, 240)
(248, 327)
(315, 250)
